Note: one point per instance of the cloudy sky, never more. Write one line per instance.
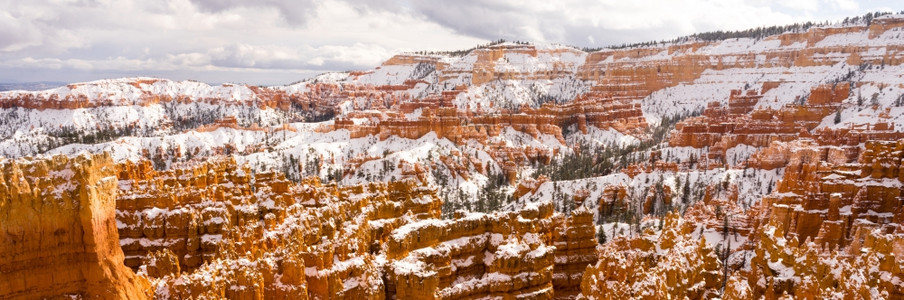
(273, 42)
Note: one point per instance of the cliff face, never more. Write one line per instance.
(783, 266)
(722, 128)
(59, 224)
(675, 262)
(809, 237)
(750, 91)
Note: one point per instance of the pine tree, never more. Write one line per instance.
(601, 235)
(686, 192)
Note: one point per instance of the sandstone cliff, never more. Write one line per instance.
(59, 236)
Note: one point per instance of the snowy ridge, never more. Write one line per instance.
(125, 91)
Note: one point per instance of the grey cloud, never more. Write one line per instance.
(607, 22)
(13, 36)
(488, 20)
(326, 58)
(522, 20)
(519, 21)
(365, 6)
(295, 12)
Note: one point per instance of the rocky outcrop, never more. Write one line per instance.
(575, 240)
(197, 227)
(825, 196)
(219, 230)
(787, 267)
(722, 128)
(533, 253)
(807, 238)
(151, 91)
(473, 256)
(673, 265)
(58, 225)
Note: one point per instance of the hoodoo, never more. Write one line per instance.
(58, 219)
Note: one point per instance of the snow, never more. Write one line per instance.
(738, 154)
(388, 75)
(512, 249)
(616, 229)
(599, 137)
(781, 270)
(153, 212)
(413, 116)
(126, 91)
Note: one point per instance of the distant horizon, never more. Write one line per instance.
(276, 43)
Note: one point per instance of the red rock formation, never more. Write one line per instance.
(59, 226)
(784, 267)
(528, 186)
(218, 230)
(255, 235)
(532, 253)
(825, 196)
(259, 236)
(474, 256)
(575, 242)
(614, 199)
(725, 128)
(672, 266)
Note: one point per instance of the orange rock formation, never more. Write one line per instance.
(218, 230)
(59, 231)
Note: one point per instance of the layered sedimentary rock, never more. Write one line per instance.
(218, 230)
(831, 228)
(810, 235)
(721, 128)
(150, 91)
(672, 265)
(783, 267)
(59, 236)
(531, 254)
(473, 256)
(575, 240)
(827, 194)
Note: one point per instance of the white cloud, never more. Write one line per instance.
(805, 5)
(847, 5)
